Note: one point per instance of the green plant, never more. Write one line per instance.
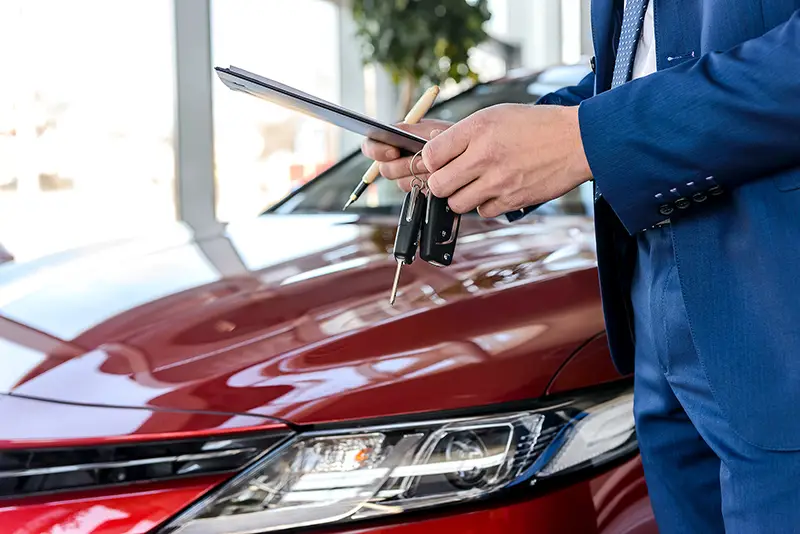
(421, 41)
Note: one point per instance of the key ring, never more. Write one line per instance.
(416, 180)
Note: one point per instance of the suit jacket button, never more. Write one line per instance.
(593, 64)
(716, 190)
(699, 197)
(665, 209)
(682, 203)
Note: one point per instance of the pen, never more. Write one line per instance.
(414, 116)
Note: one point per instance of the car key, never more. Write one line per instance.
(408, 230)
(439, 232)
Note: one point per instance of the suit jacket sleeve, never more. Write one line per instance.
(733, 116)
(568, 96)
(571, 96)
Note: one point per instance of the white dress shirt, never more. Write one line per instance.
(644, 62)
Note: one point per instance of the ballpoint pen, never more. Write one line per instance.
(414, 116)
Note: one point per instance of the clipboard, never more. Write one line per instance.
(241, 80)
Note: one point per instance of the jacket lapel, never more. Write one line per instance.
(605, 25)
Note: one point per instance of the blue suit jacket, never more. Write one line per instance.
(725, 104)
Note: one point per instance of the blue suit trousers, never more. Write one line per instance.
(702, 476)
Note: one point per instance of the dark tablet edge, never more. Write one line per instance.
(328, 106)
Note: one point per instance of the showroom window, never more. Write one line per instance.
(263, 151)
(86, 122)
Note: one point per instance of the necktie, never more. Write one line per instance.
(632, 22)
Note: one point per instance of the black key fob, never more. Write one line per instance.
(412, 214)
(439, 232)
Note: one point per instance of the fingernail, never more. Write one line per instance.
(434, 133)
(392, 153)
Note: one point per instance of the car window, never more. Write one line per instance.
(328, 192)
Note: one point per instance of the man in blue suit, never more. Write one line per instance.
(689, 126)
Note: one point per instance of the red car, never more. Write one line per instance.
(259, 381)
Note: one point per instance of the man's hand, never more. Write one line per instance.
(392, 165)
(504, 158)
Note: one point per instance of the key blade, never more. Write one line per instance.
(393, 295)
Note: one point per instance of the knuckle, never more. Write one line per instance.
(497, 182)
(477, 119)
(491, 148)
(482, 157)
(481, 120)
(515, 201)
(429, 154)
(507, 204)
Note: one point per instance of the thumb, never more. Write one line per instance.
(434, 133)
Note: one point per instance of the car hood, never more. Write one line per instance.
(288, 317)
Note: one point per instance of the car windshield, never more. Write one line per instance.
(329, 191)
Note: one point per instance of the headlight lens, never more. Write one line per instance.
(327, 477)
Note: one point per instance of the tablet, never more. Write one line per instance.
(289, 97)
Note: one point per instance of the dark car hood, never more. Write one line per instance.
(287, 316)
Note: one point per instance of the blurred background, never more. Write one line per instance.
(112, 122)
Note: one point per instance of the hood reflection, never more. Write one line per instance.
(289, 317)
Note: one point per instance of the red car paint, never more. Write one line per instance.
(312, 338)
(34, 423)
(131, 510)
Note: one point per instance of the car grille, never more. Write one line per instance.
(46, 470)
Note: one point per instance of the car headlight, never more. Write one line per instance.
(334, 476)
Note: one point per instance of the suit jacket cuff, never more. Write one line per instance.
(615, 178)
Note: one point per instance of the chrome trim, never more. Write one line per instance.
(122, 464)
(357, 431)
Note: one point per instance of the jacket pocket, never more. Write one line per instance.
(787, 181)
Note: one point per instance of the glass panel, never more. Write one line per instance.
(263, 151)
(86, 122)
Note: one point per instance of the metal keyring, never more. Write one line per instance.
(416, 180)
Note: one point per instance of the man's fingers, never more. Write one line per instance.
(377, 151)
(405, 183)
(491, 208)
(470, 197)
(453, 176)
(446, 146)
(399, 168)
